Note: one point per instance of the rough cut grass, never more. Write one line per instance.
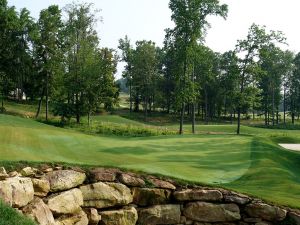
(251, 163)
(9, 216)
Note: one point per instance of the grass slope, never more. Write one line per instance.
(252, 164)
(9, 216)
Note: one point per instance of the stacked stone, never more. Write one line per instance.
(53, 196)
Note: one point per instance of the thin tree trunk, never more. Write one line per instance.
(2, 103)
(193, 118)
(89, 119)
(40, 104)
(146, 108)
(284, 106)
(130, 95)
(266, 117)
(77, 109)
(273, 107)
(239, 121)
(181, 118)
(206, 107)
(47, 96)
(193, 104)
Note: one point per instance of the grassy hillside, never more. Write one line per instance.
(9, 216)
(251, 163)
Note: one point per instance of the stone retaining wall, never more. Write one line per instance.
(57, 196)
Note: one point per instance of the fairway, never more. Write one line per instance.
(247, 163)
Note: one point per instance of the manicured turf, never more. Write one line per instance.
(251, 163)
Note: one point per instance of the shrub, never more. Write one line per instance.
(129, 130)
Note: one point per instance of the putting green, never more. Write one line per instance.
(195, 158)
(252, 164)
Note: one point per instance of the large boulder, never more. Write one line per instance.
(198, 195)
(240, 199)
(41, 187)
(6, 192)
(295, 217)
(131, 181)
(160, 214)
(265, 211)
(40, 212)
(17, 191)
(150, 196)
(3, 173)
(104, 195)
(127, 216)
(104, 174)
(68, 202)
(28, 171)
(162, 184)
(212, 213)
(62, 180)
(92, 215)
(78, 219)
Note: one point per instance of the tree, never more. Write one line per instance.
(127, 56)
(294, 89)
(248, 50)
(88, 80)
(49, 51)
(144, 71)
(288, 69)
(81, 44)
(190, 18)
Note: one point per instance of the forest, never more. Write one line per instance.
(58, 62)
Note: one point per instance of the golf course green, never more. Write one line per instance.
(251, 163)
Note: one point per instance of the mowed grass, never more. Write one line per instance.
(251, 163)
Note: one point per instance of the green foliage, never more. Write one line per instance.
(258, 39)
(132, 131)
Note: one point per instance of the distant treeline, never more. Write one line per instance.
(61, 61)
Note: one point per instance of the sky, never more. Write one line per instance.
(147, 20)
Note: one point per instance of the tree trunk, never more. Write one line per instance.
(89, 119)
(47, 95)
(284, 106)
(206, 107)
(193, 118)
(239, 121)
(130, 95)
(181, 118)
(146, 108)
(40, 104)
(273, 107)
(77, 108)
(266, 117)
(202, 112)
(2, 103)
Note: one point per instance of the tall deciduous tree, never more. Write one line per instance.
(190, 18)
(49, 51)
(248, 50)
(127, 57)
